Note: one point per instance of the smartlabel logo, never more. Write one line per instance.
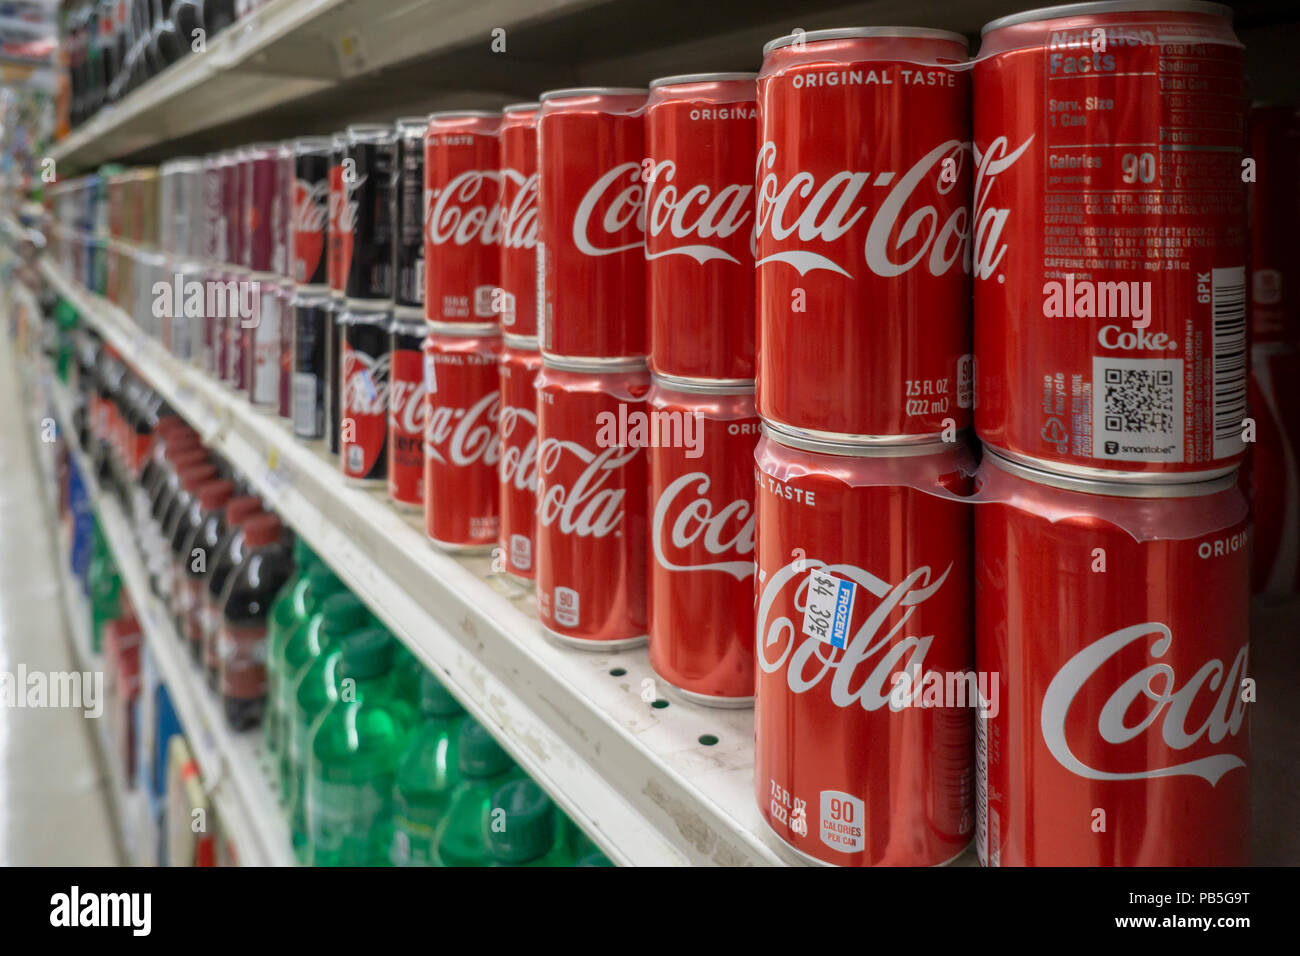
(75, 908)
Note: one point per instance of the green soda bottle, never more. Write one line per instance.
(287, 611)
(105, 597)
(309, 691)
(427, 775)
(523, 828)
(356, 745)
(461, 838)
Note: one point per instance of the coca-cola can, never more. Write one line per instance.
(863, 220)
(700, 136)
(518, 230)
(334, 366)
(591, 504)
(1115, 617)
(311, 329)
(364, 338)
(232, 206)
(1273, 469)
(518, 369)
(260, 350)
(366, 220)
(1109, 253)
(213, 219)
(702, 539)
(261, 179)
(308, 232)
(461, 444)
(461, 216)
(864, 591)
(287, 294)
(408, 410)
(591, 236)
(1274, 196)
(408, 238)
(339, 245)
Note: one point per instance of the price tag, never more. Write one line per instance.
(829, 611)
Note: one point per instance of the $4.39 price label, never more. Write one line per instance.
(829, 610)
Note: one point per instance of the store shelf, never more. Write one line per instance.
(233, 766)
(634, 776)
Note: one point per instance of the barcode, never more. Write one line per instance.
(982, 789)
(1228, 298)
(305, 403)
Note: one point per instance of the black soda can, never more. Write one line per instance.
(312, 324)
(408, 243)
(333, 364)
(364, 362)
(366, 220)
(308, 233)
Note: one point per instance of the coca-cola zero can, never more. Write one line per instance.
(309, 230)
(311, 329)
(408, 240)
(364, 339)
(367, 215)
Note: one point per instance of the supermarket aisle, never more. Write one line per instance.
(53, 804)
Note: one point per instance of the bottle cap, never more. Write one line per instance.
(480, 754)
(186, 456)
(322, 583)
(196, 476)
(343, 613)
(436, 700)
(529, 824)
(214, 494)
(239, 509)
(261, 530)
(366, 653)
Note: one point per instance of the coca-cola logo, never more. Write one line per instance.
(466, 436)
(465, 210)
(685, 519)
(695, 212)
(408, 412)
(310, 208)
(588, 508)
(518, 462)
(518, 210)
(614, 210)
(878, 650)
(365, 384)
(990, 220)
(901, 234)
(1156, 686)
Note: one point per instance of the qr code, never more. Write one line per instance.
(1139, 401)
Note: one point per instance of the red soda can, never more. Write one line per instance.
(261, 179)
(591, 504)
(863, 222)
(518, 227)
(864, 606)
(339, 245)
(1273, 466)
(366, 220)
(308, 233)
(461, 445)
(518, 368)
(260, 337)
(286, 298)
(700, 136)
(363, 394)
(1274, 143)
(1115, 617)
(1109, 250)
(591, 253)
(233, 183)
(461, 216)
(702, 539)
(213, 224)
(408, 410)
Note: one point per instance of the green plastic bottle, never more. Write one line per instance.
(356, 745)
(427, 775)
(305, 601)
(105, 597)
(595, 859)
(461, 839)
(310, 689)
(410, 672)
(523, 828)
(287, 611)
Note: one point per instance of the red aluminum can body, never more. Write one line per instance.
(591, 506)
(701, 505)
(284, 407)
(408, 411)
(518, 236)
(700, 137)
(461, 445)
(1274, 144)
(232, 205)
(261, 179)
(1120, 681)
(461, 217)
(364, 367)
(590, 147)
(1273, 466)
(518, 369)
(339, 251)
(1109, 252)
(845, 771)
(863, 269)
